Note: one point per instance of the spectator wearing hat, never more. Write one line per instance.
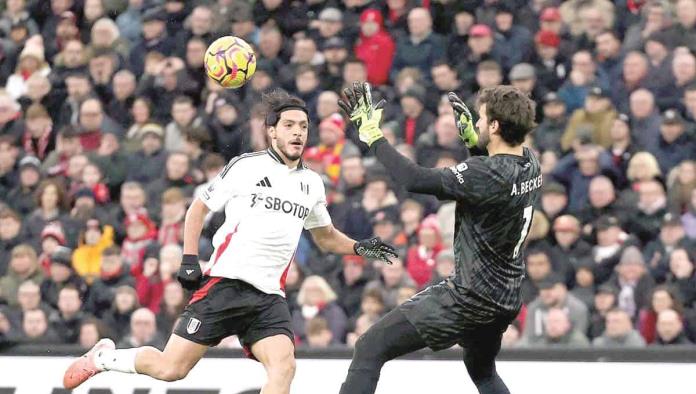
(113, 273)
(592, 123)
(154, 39)
(91, 243)
(553, 294)
(21, 197)
(414, 119)
(375, 47)
(52, 237)
(523, 77)
(61, 275)
(604, 300)
(350, 284)
(619, 332)
(481, 46)
(513, 39)
(674, 145)
(657, 252)
(141, 231)
(289, 16)
(421, 48)
(335, 51)
(549, 132)
(10, 235)
(333, 146)
(584, 287)
(549, 63)
(31, 60)
(24, 266)
(329, 24)
(420, 258)
(633, 281)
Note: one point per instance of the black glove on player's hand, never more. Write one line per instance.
(374, 248)
(190, 274)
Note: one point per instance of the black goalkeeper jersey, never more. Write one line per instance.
(495, 199)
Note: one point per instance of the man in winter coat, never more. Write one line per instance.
(619, 331)
(113, 274)
(24, 265)
(421, 48)
(375, 47)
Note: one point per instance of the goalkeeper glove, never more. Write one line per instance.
(374, 248)
(464, 120)
(190, 274)
(366, 116)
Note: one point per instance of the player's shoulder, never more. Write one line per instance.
(311, 175)
(244, 162)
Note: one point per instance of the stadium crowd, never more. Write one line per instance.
(109, 127)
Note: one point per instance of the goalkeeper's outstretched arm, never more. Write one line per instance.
(405, 172)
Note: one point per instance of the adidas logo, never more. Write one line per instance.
(264, 182)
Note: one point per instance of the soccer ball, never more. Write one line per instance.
(230, 62)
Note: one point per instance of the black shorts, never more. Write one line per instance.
(223, 307)
(443, 317)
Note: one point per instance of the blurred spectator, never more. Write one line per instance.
(683, 183)
(92, 241)
(421, 48)
(228, 139)
(584, 281)
(171, 229)
(554, 199)
(118, 317)
(91, 331)
(39, 138)
(444, 267)
(176, 174)
(689, 217)
(602, 201)
(148, 161)
(605, 299)
(559, 332)
(375, 48)
(658, 251)
(570, 249)
(372, 303)
(290, 17)
(28, 298)
(157, 273)
(550, 131)
(392, 278)
(420, 259)
(362, 324)
(592, 123)
(173, 303)
(443, 140)
(10, 236)
(674, 144)
(681, 276)
(350, 284)
(538, 268)
(333, 146)
(154, 38)
(35, 328)
(23, 266)
(652, 207)
(184, 115)
(112, 275)
(21, 197)
(619, 331)
(61, 275)
(66, 321)
(633, 281)
(670, 329)
(634, 77)
(553, 294)
(582, 77)
(141, 231)
(415, 118)
(318, 334)
(317, 299)
(608, 46)
(31, 60)
(143, 331)
(10, 116)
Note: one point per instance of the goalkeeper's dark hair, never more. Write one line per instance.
(513, 110)
(278, 100)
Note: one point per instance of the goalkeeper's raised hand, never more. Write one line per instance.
(374, 248)
(464, 120)
(366, 116)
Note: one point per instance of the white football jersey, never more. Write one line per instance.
(267, 204)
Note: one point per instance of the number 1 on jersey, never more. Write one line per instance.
(527, 215)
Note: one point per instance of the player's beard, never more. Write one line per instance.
(287, 148)
(484, 138)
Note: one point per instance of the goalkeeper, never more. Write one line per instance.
(495, 196)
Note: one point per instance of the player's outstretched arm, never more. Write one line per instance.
(366, 117)
(330, 239)
(190, 274)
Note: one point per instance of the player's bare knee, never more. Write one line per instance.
(170, 372)
(282, 368)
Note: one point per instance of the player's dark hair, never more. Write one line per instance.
(512, 109)
(278, 100)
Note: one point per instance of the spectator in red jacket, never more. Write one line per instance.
(140, 232)
(420, 261)
(662, 298)
(375, 47)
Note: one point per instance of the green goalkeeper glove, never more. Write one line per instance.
(464, 120)
(366, 116)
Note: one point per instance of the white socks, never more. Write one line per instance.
(121, 360)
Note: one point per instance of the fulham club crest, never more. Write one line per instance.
(193, 325)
